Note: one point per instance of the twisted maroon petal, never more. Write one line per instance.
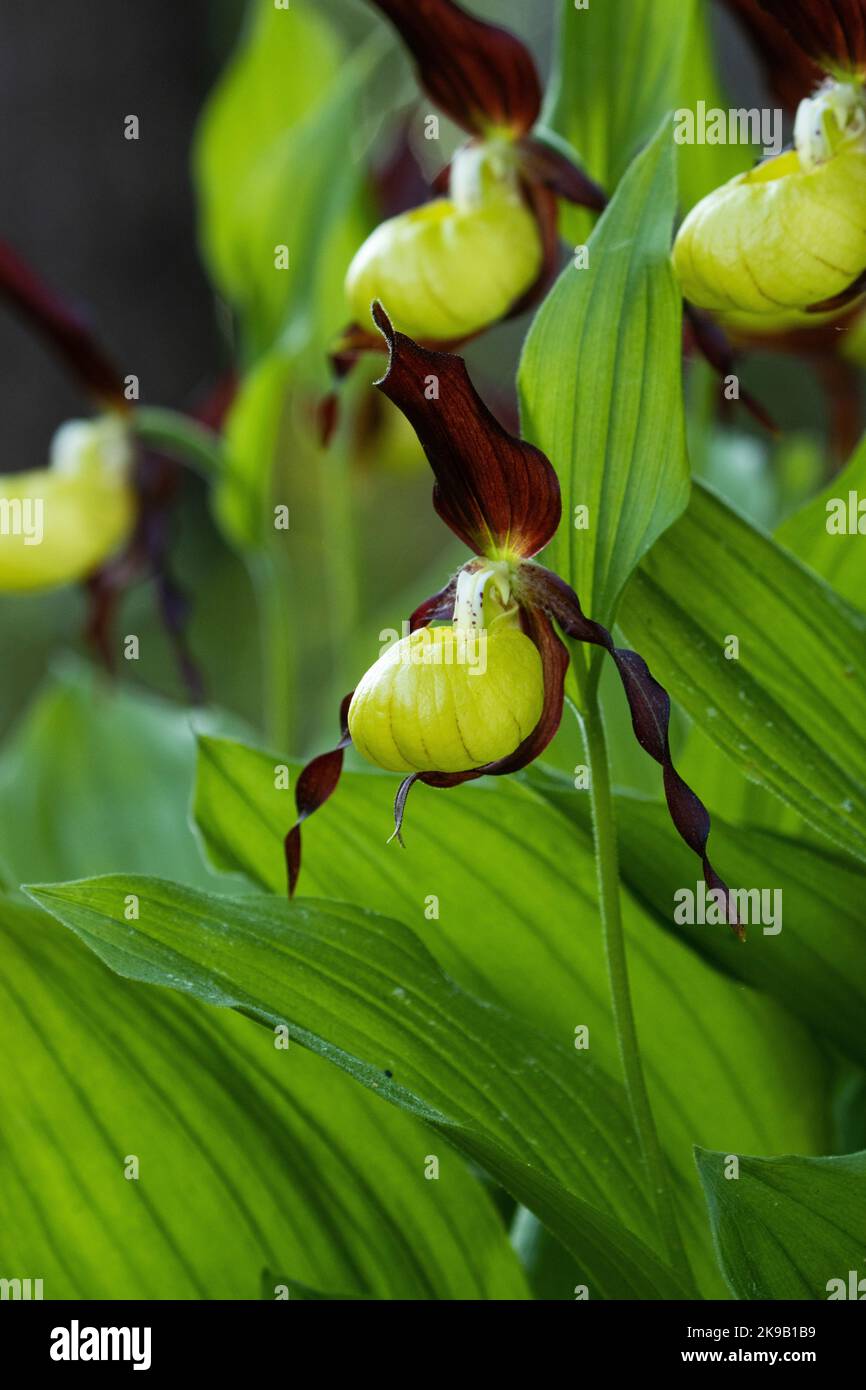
(494, 491)
(62, 327)
(316, 782)
(650, 708)
(545, 164)
(478, 74)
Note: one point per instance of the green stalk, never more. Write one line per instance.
(341, 563)
(607, 864)
(270, 572)
(181, 438)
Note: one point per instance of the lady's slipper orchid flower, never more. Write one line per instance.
(99, 513)
(483, 693)
(59, 524)
(447, 270)
(788, 237)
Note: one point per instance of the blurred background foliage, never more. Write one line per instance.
(254, 134)
(240, 137)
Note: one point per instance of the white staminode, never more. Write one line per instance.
(471, 588)
(101, 445)
(836, 114)
(482, 170)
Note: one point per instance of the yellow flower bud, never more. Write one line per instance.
(58, 524)
(791, 232)
(448, 269)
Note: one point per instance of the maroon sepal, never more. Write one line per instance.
(554, 661)
(702, 332)
(315, 784)
(830, 32)
(63, 328)
(436, 609)
(478, 74)
(650, 707)
(542, 203)
(791, 73)
(494, 491)
(543, 163)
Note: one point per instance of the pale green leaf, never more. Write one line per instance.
(514, 886)
(788, 1227)
(601, 387)
(96, 777)
(362, 991)
(828, 533)
(249, 1157)
(815, 964)
(789, 709)
(277, 165)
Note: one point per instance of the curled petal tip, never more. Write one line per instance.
(382, 321)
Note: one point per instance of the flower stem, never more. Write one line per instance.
(607, 862)
(183, 439)
(271, 580)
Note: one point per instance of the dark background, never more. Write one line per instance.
(109, 221)
(111, 224)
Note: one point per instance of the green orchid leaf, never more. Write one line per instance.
(607, 97)
(360, 990)
(787, 704)
(703, 166)
(810, 958)
(96, 777)
(788, 1227)
(257, 433)
(601, 388)
(529, 939)
(277, 163)
(155, 1148)
(827, 534)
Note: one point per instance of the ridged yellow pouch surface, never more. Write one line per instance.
(58, 524)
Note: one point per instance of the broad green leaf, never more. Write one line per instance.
(705, 764)
(789, 1227)
(513, 884)
(277, 165)
(703, 167)
(362, 991)
(815, 965)
(601, 387)
(837, 555)
(790, 709)
(250, 1157)
(620, 67)
(616, 75)
(97, 777)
